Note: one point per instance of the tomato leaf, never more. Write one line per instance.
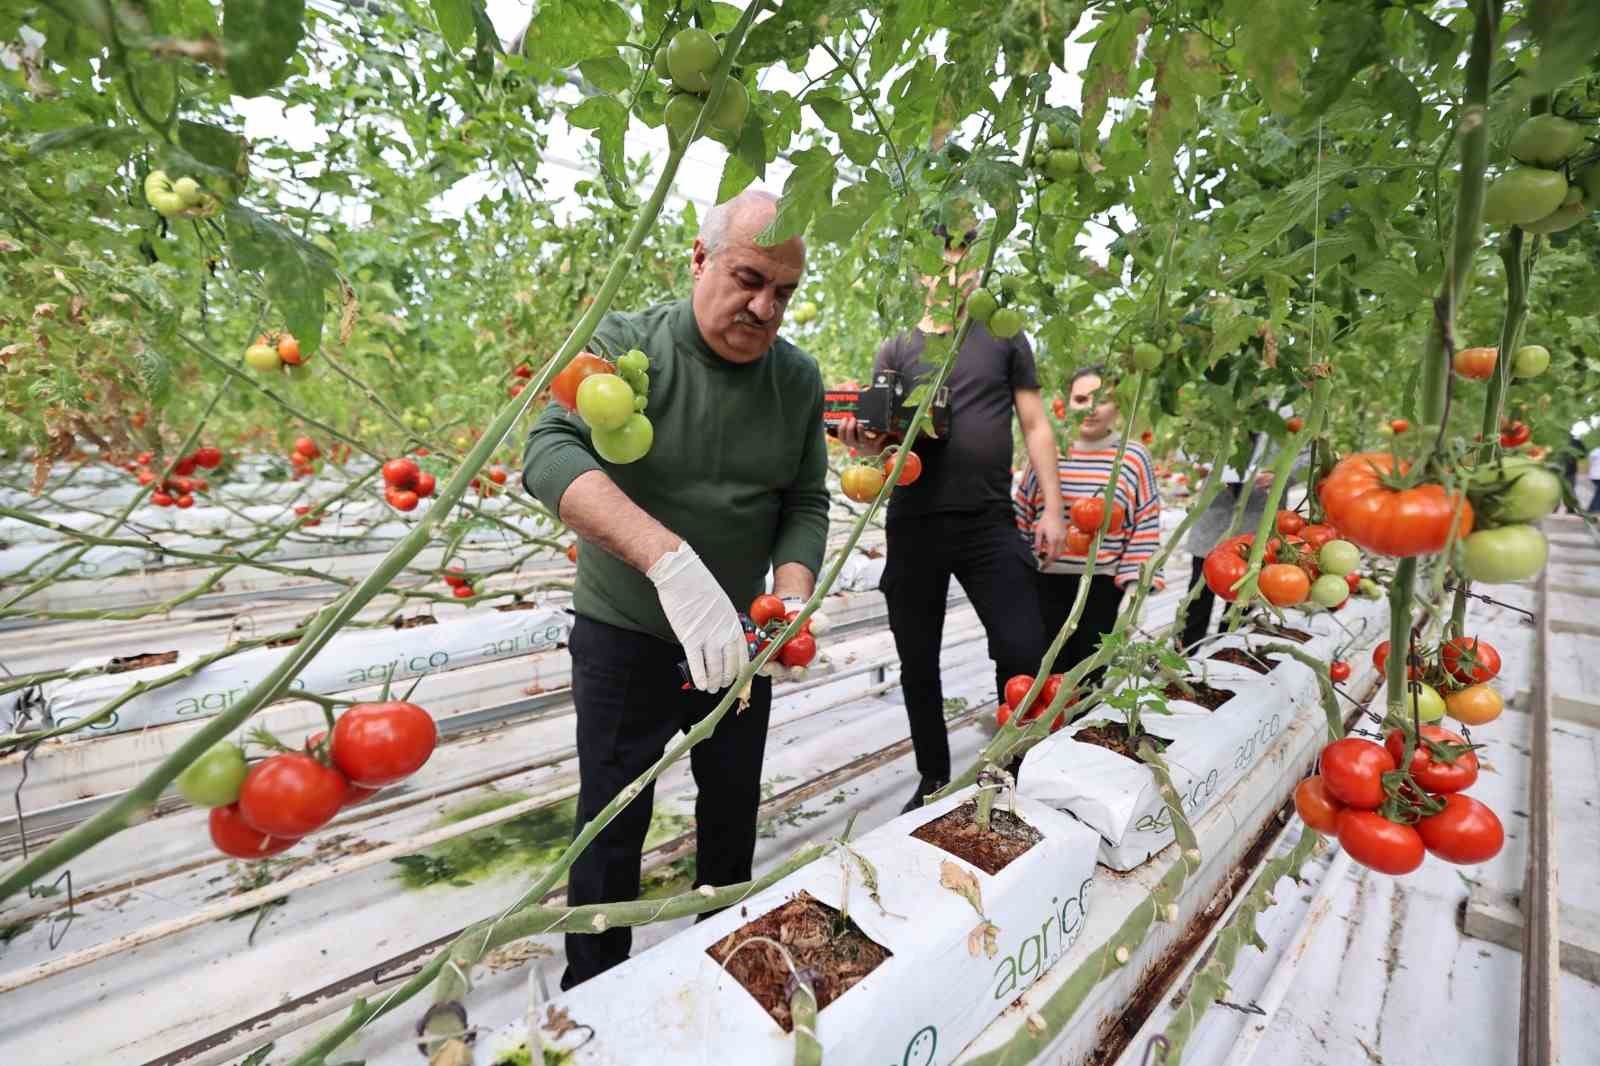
(296, 271)
(808, 190)
(567, 31)
(216, 147)
(92, 136)
(1568, 32)
(851, 209)
(746, 163)
(260, 37)
(1351, 40)
(609, 120)
(860, 148)
(609, 73)
(1116, 43)
(1273, 34)
(455, 21)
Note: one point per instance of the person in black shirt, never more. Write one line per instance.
(956, 519)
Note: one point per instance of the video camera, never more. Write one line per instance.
(882, 408)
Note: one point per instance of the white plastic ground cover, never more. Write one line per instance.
(673, 1005)
(861, 572)
(352, 659)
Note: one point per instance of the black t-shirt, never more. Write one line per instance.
(970, 470)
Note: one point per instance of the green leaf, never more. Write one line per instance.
(1275, 38)
(259, 38)
(1184, 70)
(1352, 39)
(851, 209)
(296, 270)
(1568, 32)
(746, 163)
(860, 148)
(215, 147)
(808, 190)
(91, 137)
(1116, 40)
(609, 120)
(455, 21)
(609, 73)
(565, 32)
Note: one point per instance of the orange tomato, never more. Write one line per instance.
(1474, 705)
(1476, 363)
(1388, 521)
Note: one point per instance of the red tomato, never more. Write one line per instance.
(185, 500)
(290, 794)
(1059, 407)
(1399, 425)
(401, 499)
(1317, 806)
(1289, 522)
(1514, 434)
(1374, 841)
(1399, 522)
(1470, 660)
(572, 553)
(1476, 363)
(524, 372)
(1465, 832)
(307, 447)
(1435, 773)
(1284, 584)
(1147, 437)
(161, 499)
(1017, 688)
(1078, 541)
(790, 616)
(1318, 534)
(289, 349)
(420, 451)
(377, 744)
(184, 467)
(1339, 671)
(208, 457)
(1088, 512)
(232, 836)
(302, 508)
(799, 650)
(564, 389)
(401, 474)
(463, 592)
(497, 474)
(146, 477)
(1002, 714)
(359, 794)
(425, 485)
(1225, 565)
(765, 608)
(455, 575)
(1294, 424)
(516, 390)
(913, 467)
(1052, 685)
(1353, 771)
(1380, 659)
(1353, 580)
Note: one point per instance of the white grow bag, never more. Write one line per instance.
(673, 1005)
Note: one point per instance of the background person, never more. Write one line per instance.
(734, 482)
(955, 520)
(1082, 473)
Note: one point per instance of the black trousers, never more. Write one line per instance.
(1198, 620)
(983, 551)
(630, 703)
(1056, 595)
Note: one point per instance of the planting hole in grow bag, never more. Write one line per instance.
(1240, 657)
(817, 938)
(957, 832)
(140, 662)
(1114, 736)
(1203, 694)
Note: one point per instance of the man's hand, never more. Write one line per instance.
(854, 435)
(1050, 535)
(702, 618)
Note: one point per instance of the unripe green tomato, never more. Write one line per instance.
(804, 312)
(626, 444)
(691, 57)
(732, 108)
(167, 204)
(1369, 588)
(156, 181)
(1062, 163)
(190, 191)
(1530, 361)
(1059, 136)
(213, 780)
(1005, 323)
(1330, 590)
(1426, 705)
(605, 401)
(1546, 140)
(1339, 557)
(681, 111)
(1569, 214)
(1145, 356)
(659, 64)
(981, 305)
(1174, 342)
(1523, 194)
(1510, 553)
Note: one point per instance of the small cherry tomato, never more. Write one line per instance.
(1338, 671)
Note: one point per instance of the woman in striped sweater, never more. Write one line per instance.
(1083, 471)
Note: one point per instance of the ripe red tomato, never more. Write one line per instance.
(1147, 437)
(1002, 714)
(1225, 565)
(798, 650)
(1294, 424)
(1380, 659)
(1088, 512)
(1339, 672)
(1284, 584)
(400, 499)
(290, 794)
(307, 447)
(1078, 541)
(572, 552)
(1289, 522)
(1052, 685)
(1318, 534)
(302, 508)
(232, 836)
(146, 477)
(462, 592)
(401, 474)
(516, 390)
(289, 349)
(1353, 771)
(1374, 841)
(1476, 364)
(1399, 425)
(1433, 773)
(1514, 434)
(1017, 688)
(420, 451)
(1353, 580)
(1465, 832)
(1059, 407)
(184, 467)
(1316, 805)
(377, 744)
(766, 608)
(455, 575)
(497, 474)
(564, 389)
(185, 500)
(425, 485)
(208, 457)
(525, 372)
(912, 470)
(161, 499)
(1470, 660)
(1403, 522)
(790, 616)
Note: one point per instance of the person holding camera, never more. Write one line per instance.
(955, 520)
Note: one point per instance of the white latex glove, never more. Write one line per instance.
(702, 618)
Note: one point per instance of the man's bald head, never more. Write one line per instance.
(741, 288)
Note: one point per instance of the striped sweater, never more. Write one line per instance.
(1083, 472)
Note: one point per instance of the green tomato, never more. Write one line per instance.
(1426, 705)
(1530, 361)
(1062, 163)
(690, 59)
(190, 191)
(627, 444)
(1005, 323)
(154, 182)
(605, 401)
(681, 111)
(1146, 356)
(1339, 557)
(1519, 490)
(1566, 216)
(1330, 590)
(633, 359)
(732, 108)
(213, 780)
(1510, 553)
(1174, 342)
(1370, 588)
(1546, 140)
(640, 401)
(981, 305)
(804, 312)
(660, 64)
(262, 358)
(1057, 136)
(167, 203)
(1523, 194)
(637, 380)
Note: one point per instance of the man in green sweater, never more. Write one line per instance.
(677, 544)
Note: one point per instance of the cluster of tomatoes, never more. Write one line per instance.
(460, 582)
(1016, 692)
(303, 457)
(1084, 516)
(686, 64)
(262, 808)
(1452, 679)
(273, 351)
(770, 618)
(177, 490)
(405, 483)
(611, 400)
(523, 374)
(1305, 562)
(1538, 195)
(1387, 819)
(861, 480)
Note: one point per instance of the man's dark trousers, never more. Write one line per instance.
(630, 704)
(984, 551)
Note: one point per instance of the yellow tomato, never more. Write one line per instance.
(1474, 705)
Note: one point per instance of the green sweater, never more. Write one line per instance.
(737, 466)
